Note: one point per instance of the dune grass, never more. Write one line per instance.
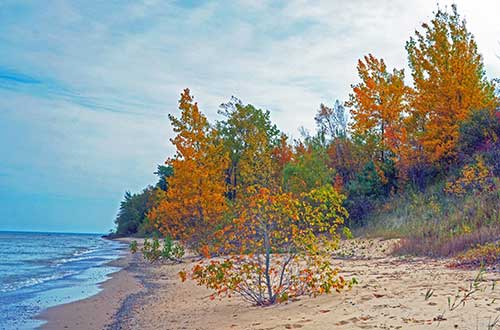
(438, 224)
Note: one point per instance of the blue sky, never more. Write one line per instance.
(86, 86)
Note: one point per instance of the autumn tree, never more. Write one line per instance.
(342, 152)
(194, 203)
(449, 80)
(281, 248)
(282, 155)
(378, 104)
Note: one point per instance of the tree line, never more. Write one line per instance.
(240, 187)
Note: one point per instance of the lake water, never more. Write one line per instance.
(41, 270)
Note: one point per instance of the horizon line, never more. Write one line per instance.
(49, 232)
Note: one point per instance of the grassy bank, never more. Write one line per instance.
(435, 223)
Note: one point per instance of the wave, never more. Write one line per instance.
(63, 259)
(97, 259)
(13, 286)
(84, 251)
(79, 255)
(97, 255)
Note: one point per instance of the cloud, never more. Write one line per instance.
(85, 87)
(13, 78)
(78, 152)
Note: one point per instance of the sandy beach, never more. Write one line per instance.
(391, 294)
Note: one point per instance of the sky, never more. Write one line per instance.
(86, 86)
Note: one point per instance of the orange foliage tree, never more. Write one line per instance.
(379, 105)
(282, 154)
(342, 157)
(280, 247)
(194, 204)
(332, 121)
(449, 80)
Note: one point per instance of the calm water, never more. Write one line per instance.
(40, 270)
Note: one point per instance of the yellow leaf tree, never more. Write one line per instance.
(194, 204)
(379, 105)
(281, 248)
(449, 81)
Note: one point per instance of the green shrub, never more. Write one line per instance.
(172, 250)
(133, 246)
(153, 250)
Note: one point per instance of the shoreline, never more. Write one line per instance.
(97, 311)
(391, 294)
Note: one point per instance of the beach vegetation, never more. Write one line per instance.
(279, 248)
(418, 159)
(155, 250)
(194, 204)
(133, 247)
(482, 255)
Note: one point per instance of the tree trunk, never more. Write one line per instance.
(267, 247)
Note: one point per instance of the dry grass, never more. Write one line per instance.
(439, 225)
(486, 255)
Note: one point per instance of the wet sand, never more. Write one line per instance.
(98, 311)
